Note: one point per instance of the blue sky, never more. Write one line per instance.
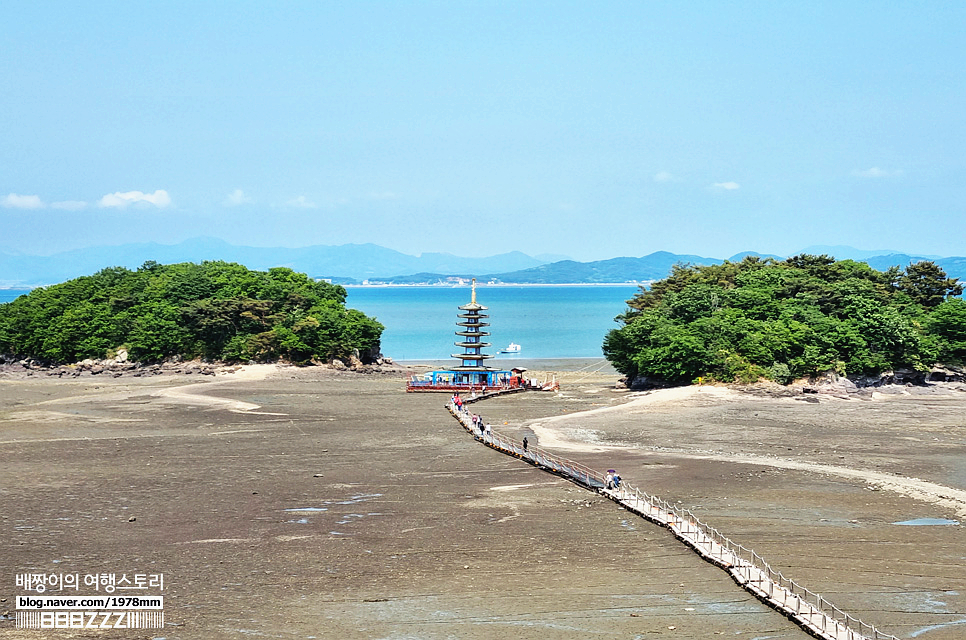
(588, 129)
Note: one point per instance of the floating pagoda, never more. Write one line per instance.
(471, 374)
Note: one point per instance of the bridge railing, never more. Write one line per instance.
(749, 568)
(774, 584)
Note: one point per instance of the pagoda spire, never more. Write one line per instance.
(471, 334)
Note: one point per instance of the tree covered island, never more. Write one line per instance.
(760, 318)
(213, 310)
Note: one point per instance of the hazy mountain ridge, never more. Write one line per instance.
(650, 267)
(654, 266)
(657, 265)
(851, 253)
(355, 263)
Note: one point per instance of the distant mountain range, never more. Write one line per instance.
(651, 267)
(355, 262)
(637, 270)
(359, 263)
(657, 265)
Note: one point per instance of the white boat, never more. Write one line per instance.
(513, 348)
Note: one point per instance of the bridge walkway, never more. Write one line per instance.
(809, 610)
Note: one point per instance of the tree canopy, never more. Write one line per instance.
(213, 310)
(741, 321)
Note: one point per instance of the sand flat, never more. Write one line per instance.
(365, 512)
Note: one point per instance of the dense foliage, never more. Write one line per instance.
(741, 321)
(213, 310)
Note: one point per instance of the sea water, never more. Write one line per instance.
(548, 321)
(9, 295)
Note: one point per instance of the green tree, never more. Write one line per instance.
(217, 310)
(783, 320)
(926, 283)
(947, 324)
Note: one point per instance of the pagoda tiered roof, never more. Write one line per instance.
(472, 356)
(471, 372)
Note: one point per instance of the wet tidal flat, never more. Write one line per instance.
(312, 503)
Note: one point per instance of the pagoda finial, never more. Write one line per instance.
(473, 295)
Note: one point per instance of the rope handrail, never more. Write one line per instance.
(744, 565)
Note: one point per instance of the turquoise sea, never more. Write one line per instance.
(548, 321)
(7, 295)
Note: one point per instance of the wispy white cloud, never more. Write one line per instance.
(17, 201)
(301, 203)
(69, 205)
(236, 198)
(159, 199)
(876, 172)
(727, 186)
(665, 176)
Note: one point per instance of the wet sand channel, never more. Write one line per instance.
(301, 503)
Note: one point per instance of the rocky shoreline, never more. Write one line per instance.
(11, 367)
(832, 383)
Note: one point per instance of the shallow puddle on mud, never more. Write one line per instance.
(346, 518)
(926, 522)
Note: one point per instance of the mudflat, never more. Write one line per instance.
(292, 502)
